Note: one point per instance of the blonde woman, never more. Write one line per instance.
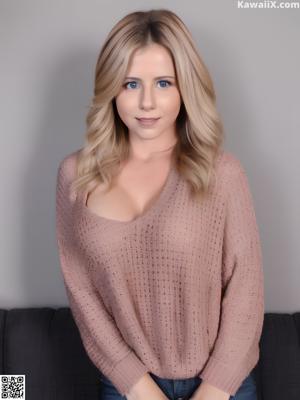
(156, 229)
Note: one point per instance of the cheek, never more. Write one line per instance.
(124, 104)
(171, 103)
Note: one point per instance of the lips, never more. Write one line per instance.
(147, 122)
(147, 119)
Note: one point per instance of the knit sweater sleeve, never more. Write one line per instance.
(236, 349)
(101, 338)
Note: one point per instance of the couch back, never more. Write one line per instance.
(44, 344)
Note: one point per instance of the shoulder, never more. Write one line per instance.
(67, 166)
(229, 166)
(66, 173)
(230, 174)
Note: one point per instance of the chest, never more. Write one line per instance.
(132, 193)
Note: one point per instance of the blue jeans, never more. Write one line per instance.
(180, 389)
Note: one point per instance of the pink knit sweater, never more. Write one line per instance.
(178, 291)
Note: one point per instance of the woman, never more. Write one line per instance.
(156, 229)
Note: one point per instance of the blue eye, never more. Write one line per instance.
(134, 83)
(129, 83)
(168, 83)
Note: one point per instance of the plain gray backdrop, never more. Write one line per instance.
(48, 53)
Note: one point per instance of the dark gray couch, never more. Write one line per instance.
(45, 345)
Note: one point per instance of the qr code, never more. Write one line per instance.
(12, 386)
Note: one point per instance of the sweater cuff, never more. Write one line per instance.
(225, 377)
(127, 372)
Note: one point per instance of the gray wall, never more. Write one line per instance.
(48, 54)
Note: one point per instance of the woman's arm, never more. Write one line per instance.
(145, 389)
(208, 392)
(236, 349)
(103, 342)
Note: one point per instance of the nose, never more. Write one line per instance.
(147, 98)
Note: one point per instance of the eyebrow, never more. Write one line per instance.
(158, 77)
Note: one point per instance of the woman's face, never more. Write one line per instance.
(150, 91)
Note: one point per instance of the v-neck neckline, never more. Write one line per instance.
(154, 207)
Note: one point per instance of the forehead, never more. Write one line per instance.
(153, 59)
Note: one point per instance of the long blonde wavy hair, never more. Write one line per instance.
(198, 125)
